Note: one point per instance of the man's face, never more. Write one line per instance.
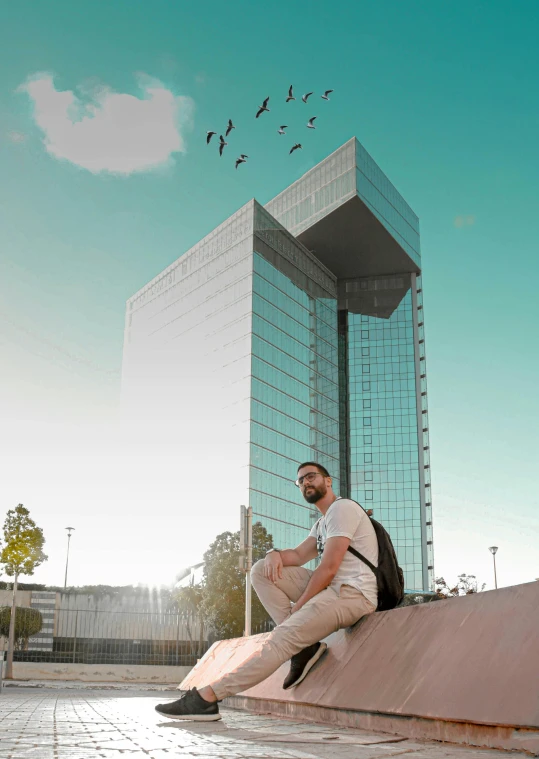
(312, 484)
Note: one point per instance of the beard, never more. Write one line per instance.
(313, 494)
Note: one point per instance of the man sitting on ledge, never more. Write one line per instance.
(340, 591)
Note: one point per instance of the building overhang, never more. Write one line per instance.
(351, 242)
(348, 214)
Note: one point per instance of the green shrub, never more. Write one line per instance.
(28, 622)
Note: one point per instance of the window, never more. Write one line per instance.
(366, 386)
(367, 458)
(366, 403)
(368, 476)
(367, 439)
(365, 351)
(367, 421)
(366, 368)
(368, 495)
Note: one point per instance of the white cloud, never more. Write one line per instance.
(106, 131)
(16, 137)
(464, 221)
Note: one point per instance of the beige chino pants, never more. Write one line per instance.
(327, 612)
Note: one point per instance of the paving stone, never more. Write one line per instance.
(109, 724)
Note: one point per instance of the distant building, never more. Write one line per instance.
(293, 332)
(114, 626)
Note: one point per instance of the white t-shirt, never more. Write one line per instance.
(345, 518)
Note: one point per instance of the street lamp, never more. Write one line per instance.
(69, 531)
(493, 550)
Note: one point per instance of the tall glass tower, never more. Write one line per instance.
(303, 325)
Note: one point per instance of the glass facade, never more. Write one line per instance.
(186, 375)
(294, 394)
(318, 192)
(384, 447)
(263, 357)
(389, 207)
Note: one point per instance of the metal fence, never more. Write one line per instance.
(83, 636)
(263, 627)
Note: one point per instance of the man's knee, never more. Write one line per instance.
(289, 640)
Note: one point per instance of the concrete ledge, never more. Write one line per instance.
(104, 673)
(465, 670)
(484, 736)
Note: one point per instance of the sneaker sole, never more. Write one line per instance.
(192, 717)
(310, 664)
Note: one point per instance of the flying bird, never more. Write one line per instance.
(306, 96)
(290, 94)
(222, 144)
(325, 95)
(242, 159)
(229, 128)
(297, 146)
(210, 135)
(310, 124)
(262, 108)
(282, 128)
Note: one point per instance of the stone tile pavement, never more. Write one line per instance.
(47, 723)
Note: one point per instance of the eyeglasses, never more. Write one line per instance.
(309, 477)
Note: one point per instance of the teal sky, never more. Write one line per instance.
(443, 95)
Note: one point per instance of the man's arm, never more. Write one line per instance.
(297, 557)
(321, 578)
(289, 557)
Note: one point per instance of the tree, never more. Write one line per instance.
(420, 597)
(223, 601)
(28, 622)
(466, 585)
(21, 554)
(189, 600)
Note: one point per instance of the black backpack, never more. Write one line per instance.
(389, 575)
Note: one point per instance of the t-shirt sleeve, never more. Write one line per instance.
(342, 520)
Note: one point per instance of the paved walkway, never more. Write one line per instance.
(46, 723)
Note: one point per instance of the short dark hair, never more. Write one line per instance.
(321, 469)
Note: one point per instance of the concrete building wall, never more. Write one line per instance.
(99, 673)
(24, 597)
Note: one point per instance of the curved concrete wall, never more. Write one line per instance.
(472, 660)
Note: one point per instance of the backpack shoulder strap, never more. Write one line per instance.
(360, 555)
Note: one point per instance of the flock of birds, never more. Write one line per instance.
(264, 109)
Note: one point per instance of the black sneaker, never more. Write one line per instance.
(302, 663)
(190, 706)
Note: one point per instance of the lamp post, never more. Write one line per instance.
(246, 559)
(69, 531)
(493, 550)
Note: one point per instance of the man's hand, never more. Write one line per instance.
(273, 566)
